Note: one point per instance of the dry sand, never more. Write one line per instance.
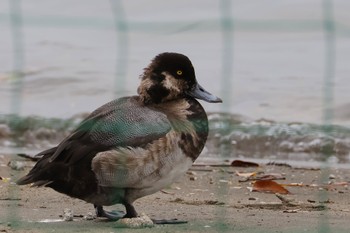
(211, 199)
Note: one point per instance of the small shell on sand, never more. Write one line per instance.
(89, 216)
(68, 215)
(16, 165)
(140, 222)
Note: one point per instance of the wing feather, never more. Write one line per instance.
(120, 123)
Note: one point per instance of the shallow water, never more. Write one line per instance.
(74, 60)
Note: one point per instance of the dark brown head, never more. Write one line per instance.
(171, 76)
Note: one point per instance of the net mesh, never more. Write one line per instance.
(17, 19)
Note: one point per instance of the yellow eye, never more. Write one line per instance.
(179, 72)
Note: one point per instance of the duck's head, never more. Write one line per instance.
(171, 76)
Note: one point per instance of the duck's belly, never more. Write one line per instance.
(172, 168)
(138, 171)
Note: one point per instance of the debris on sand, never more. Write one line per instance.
(269, 186)
(140, 222)
(240, 163)
(68, 215)
(288, 202)
(16, 165)
(5, 179)
(249, 176)
(273, 163)
(198, 202)
(89, 216)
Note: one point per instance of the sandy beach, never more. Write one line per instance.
(210, 198)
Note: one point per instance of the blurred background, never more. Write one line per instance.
(281, 68)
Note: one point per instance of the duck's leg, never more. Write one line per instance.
(131, 213)
(114, 216)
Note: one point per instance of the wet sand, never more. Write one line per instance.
(210, 198)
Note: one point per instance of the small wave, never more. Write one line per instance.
(33, 131)
(230, 136)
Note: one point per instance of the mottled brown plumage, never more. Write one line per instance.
(132, 146)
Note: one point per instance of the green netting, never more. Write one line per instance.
(227, 25)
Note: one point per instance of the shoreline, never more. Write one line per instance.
(210, 198)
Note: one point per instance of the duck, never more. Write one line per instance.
(132, 146)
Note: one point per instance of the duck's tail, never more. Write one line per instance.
(38, 176)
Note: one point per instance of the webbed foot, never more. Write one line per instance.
(131, 213)
(111, 215)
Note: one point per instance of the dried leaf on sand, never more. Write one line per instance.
(259, 176)
(269, 186)
(240, 163)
